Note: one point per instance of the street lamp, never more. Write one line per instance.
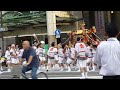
(111, 11)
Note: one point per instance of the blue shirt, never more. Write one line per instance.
(28, 53)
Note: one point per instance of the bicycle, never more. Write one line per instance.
(17, 74)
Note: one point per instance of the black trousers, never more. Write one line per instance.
(112, 77)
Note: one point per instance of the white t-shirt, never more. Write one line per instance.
(34, 47)
(40, 51)
(93, 52)
(12, 51)
(108, 57)
(67, 52)
(21, 52)
(60, 52)
(56, 51)
(72, 53)
(89, 51)
(7, 55)
(14, 59)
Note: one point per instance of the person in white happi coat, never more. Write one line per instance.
(94, 47)
(56, 57)
(20, 55)
(40, 51)
(8, 57)
(67, 55)
(51, 55)
(60, 56)
(71, 57)
(108, 54)
(81, 50)
(14, 55)
(90, 56)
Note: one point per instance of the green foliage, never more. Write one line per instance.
(18, 19)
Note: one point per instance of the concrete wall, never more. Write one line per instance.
(8, 41)
(0, 42)
(26, 31)
(37, 30)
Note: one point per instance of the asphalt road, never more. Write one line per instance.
(56, 74)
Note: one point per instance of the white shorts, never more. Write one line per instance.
(56, 57)
(8, 61)
(93, 59)
(82, 63)
(51, 61)
(69, 61)
(42, 58)
(89, 60)
(60, 60)
(14, 60)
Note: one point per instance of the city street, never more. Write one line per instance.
(57, 74)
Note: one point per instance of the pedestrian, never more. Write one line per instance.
(40, 51)
(60, 56)
(14, 55)
(89, 59)
(56, 57)
(20, 54)
(81, 50)
(71, 57)
(66, 56)
(108, 54)
(94, 66)
(51, 55)
(17, 47)
(30, 56)
(8, 58)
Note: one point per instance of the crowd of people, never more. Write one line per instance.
(62, 56)
(83, 55)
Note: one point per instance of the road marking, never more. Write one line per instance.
(91, 77)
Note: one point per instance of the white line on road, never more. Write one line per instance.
(91, 77)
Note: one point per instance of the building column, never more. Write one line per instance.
(109, 16)
(99, 23)
(77, 14)
(51, 27)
